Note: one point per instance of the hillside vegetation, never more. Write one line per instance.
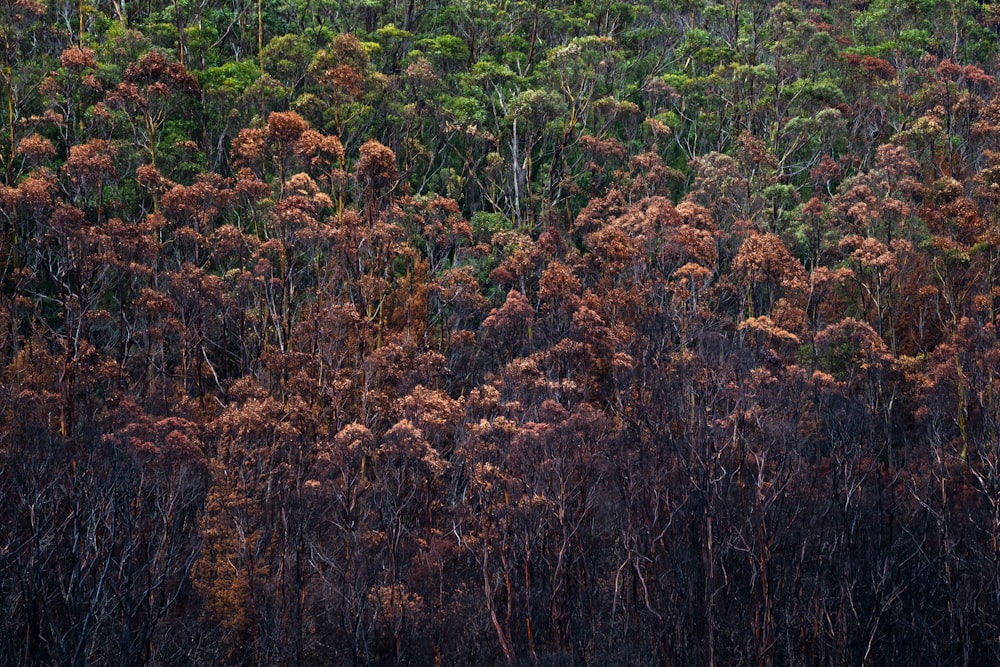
(373, 332)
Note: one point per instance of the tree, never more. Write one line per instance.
(376, 174)
(150, 92)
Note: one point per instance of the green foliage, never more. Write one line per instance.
(463, 109)
(287, 58)
(232, 76)
(446, 51)
(485, 225)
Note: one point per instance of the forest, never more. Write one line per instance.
(499, 332)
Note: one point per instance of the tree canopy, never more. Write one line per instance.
(465, 332)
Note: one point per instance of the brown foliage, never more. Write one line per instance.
(763, 263)
(375, 172)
